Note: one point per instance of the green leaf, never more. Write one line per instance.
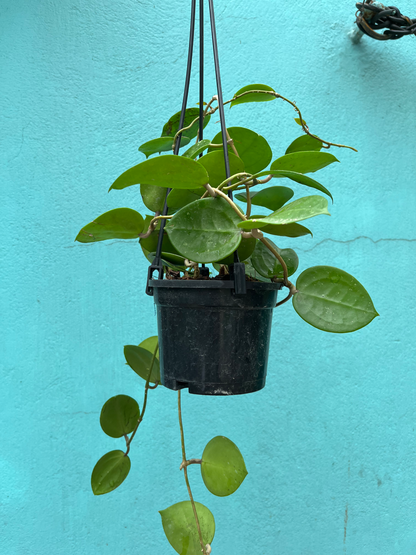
(304, 162)
(120, 223)
(119, 416)
(252, 272)
(197, 149)
(178, 198)
(172, 126)
(252, 148)
(223, 469)
(150, 345)
(205, 231)
(332, 300)
(150, 243)
(304, 142)
(153, 197)
(299, 121)
(109, 472)
(296, 211)
(302, 179)
(163, 144)
(180, 527)
(254, 97)
(214, 164)
(268, 265)
(140, 360)
(245, 250)
(164, 171)
(272, 198)
(288, 230)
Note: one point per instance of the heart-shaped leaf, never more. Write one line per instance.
(172, 126)
(252, 148)
(140, 360)
(120, 223)
(296, 211)
(163, 144)
(253, 97)
(289, 230)
(109, 472)
(164, 171)
(179, 198)
(119, 416)
(205, 231)
(272, 198)
(268, 265)
(332, 300)
(153, 197)
(304, 162)
(304, 142)
(180, 527)
(214, 164)
(223, 469)
(197, 149)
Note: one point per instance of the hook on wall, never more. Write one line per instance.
(372, 17)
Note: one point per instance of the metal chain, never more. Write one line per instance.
(373, 16)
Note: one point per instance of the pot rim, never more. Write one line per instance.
(211, 284)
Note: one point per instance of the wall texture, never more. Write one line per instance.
(330, 443)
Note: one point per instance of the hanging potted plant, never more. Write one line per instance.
(219, 271)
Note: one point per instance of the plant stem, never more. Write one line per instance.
(231, 203)
(279, 258)
(248, 211)
(146, 391)
(152, 226)
(185, 472)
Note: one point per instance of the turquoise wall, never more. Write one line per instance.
(330, 443)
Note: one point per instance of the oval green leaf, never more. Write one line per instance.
(140, 361)
(304, 162)
(245, 250)
(109, 472)
(288, 230)
(296, 211)
(205, 231)
(180, 527)
(163, 144)
(252, 148)
(214, 164)
(253, 97)
(332, 300)
(179, 198)
(120, 223)
(272, 198)
(197, 149)
(150, 345)
(119, 416)
(302, 143)
(223, 469)
(172, 126)
(164, 171)
(268, 265)
(153, 197)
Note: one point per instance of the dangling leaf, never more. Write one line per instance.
(268, 265)
(205, 231)
(304, 142)
(119, 416)
(304, 162)
(150, 345)
(197, 149)
(332, 300)
(180, 527)
(288, 230)
(272, 198)
(153, 197)
(172, 126)
(163, 144)
(214, 164)
(120, 223)
(109, 472)
(252, 148)
(164, 171)
(223, 469)
(178, 198)
(140, 361)
(253, 97)
(296, 211)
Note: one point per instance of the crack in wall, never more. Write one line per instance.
(374, 241)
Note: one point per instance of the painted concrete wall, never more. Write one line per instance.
(330, 444)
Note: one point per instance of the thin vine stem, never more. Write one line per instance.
(146, 391)
(185, 473)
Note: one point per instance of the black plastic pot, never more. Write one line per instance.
(211, 340)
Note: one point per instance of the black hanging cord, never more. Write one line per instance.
(201, 70)
(374, 16)
(157, 262)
